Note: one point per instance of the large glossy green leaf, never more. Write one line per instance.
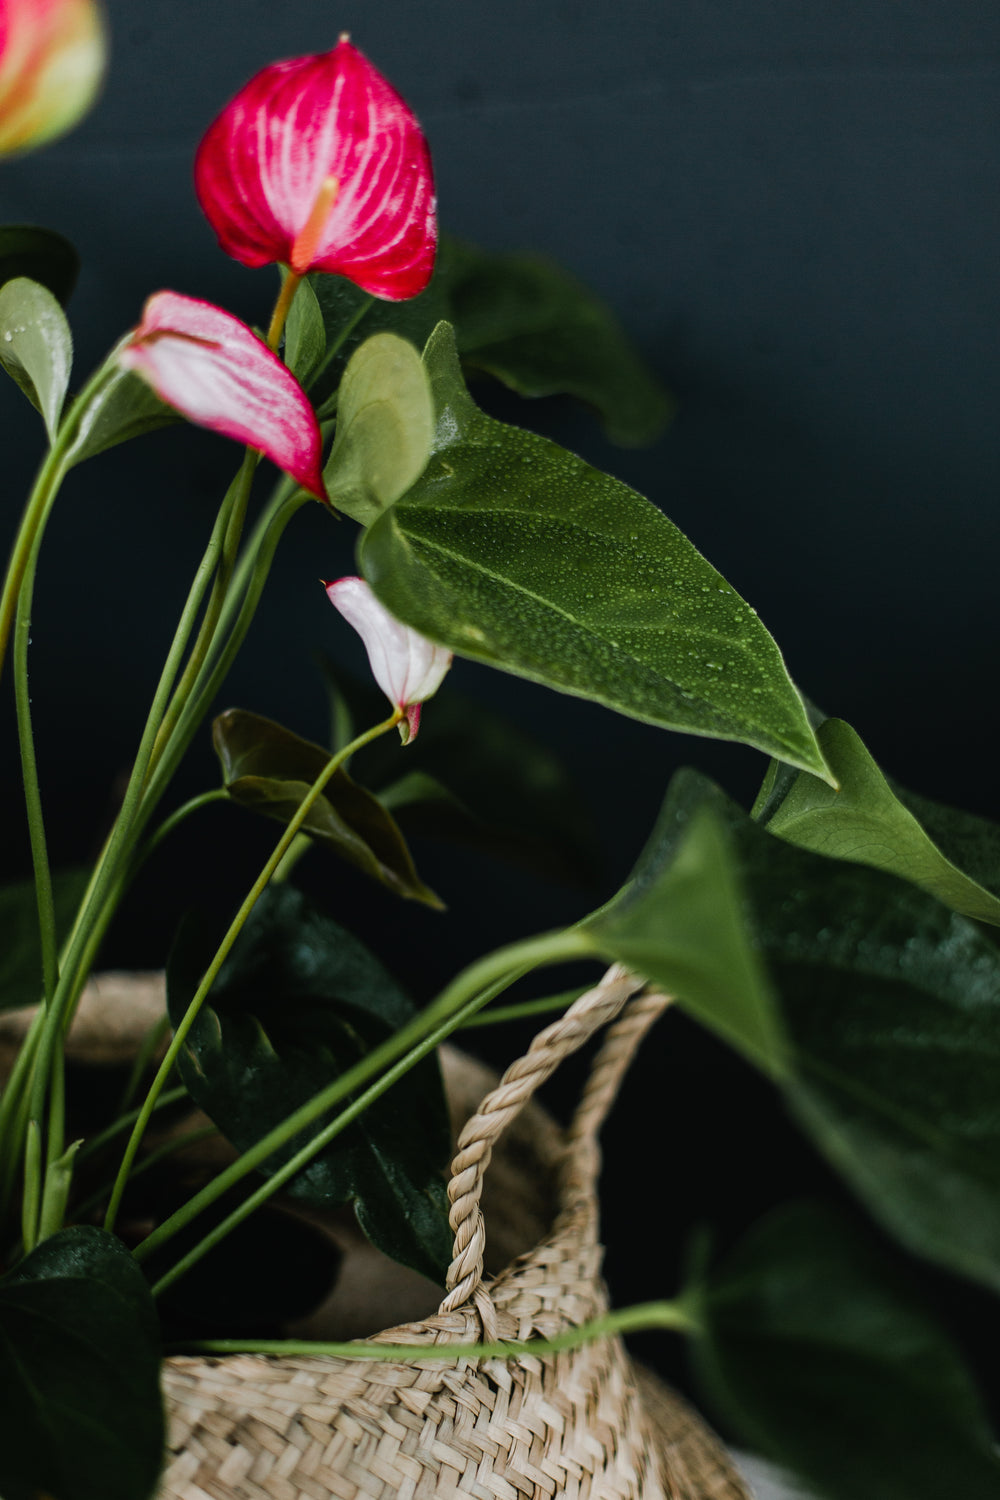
(865, 820)
(40, 254)
(679, 921)
(385, 427)
(269, 769)
(826, 1360)
(516, 553)
(36, 346)
(529, 323)
(472, 777)
(20, 948)
(892, 1003)
(297, 1003)
(81, 1416)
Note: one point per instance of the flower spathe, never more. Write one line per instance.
(52, 58)
(320, 165)
(214, 371)
(406, 665)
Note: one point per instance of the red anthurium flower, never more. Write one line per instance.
(406, 665)
(319, 164)
(214, 371)
(51, 62)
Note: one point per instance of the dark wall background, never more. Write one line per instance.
(793, 209)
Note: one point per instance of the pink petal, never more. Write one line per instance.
(208, 365)
(406, 665)
(274, 149)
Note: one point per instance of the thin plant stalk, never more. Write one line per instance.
(235, 927)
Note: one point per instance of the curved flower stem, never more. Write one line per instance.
(176, 818)
(222, 953)
(474, 988)
(676, 1316)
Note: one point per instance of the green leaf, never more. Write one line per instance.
(36, 346)
(522, 319)
(81, 1416)
(513, 552)
(867, 821)
(966, 839)
(269, 769)
(297, 1003)
(473, 778)
(892, 1003)
(385, 427)
(827, 1361)
(305, 333)
(20, 949)
(679, 921)
(40, 254)
(529, 323)
(124, 407)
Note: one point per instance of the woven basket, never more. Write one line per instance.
(586, 1423)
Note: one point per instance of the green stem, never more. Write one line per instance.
(525, 1010)
(82, 1211)
(32, 1198)
(475, 987)
(29, 769)
(125, 1122)
(235, 927)
(194, 804)
(143, 1058)
(641, 1318)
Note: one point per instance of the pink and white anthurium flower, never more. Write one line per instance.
(214, 371)
(51, 62)
(406, 665)
(320, 165)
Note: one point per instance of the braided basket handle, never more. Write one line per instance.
(480, 1133)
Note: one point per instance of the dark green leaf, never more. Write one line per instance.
(80, 1417)
(867, 821)
(385, 426)
(473, 778)
(514, 552)
(36, 346)
(270, 769)
(892, 1003)
(40, 254)
(522, 319)
(20, 949)
(967, 840)
(297, 1003)
(124, 408)
(827, 1361)
(679, 921)
(531, 324)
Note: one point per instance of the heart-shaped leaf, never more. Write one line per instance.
(825, 1359)
(385, 427)
(297, 1003)
(866, 820)
(20, 948)
(892, 1004)
(40, 254)
(81, 1415)
(36, 346)
(513, 552)
(269, 769)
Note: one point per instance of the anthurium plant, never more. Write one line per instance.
(840, 935)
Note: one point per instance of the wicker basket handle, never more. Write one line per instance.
(480, 1133)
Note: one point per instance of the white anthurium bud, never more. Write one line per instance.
(406, 665)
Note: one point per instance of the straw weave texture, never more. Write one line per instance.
(585, 1424)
